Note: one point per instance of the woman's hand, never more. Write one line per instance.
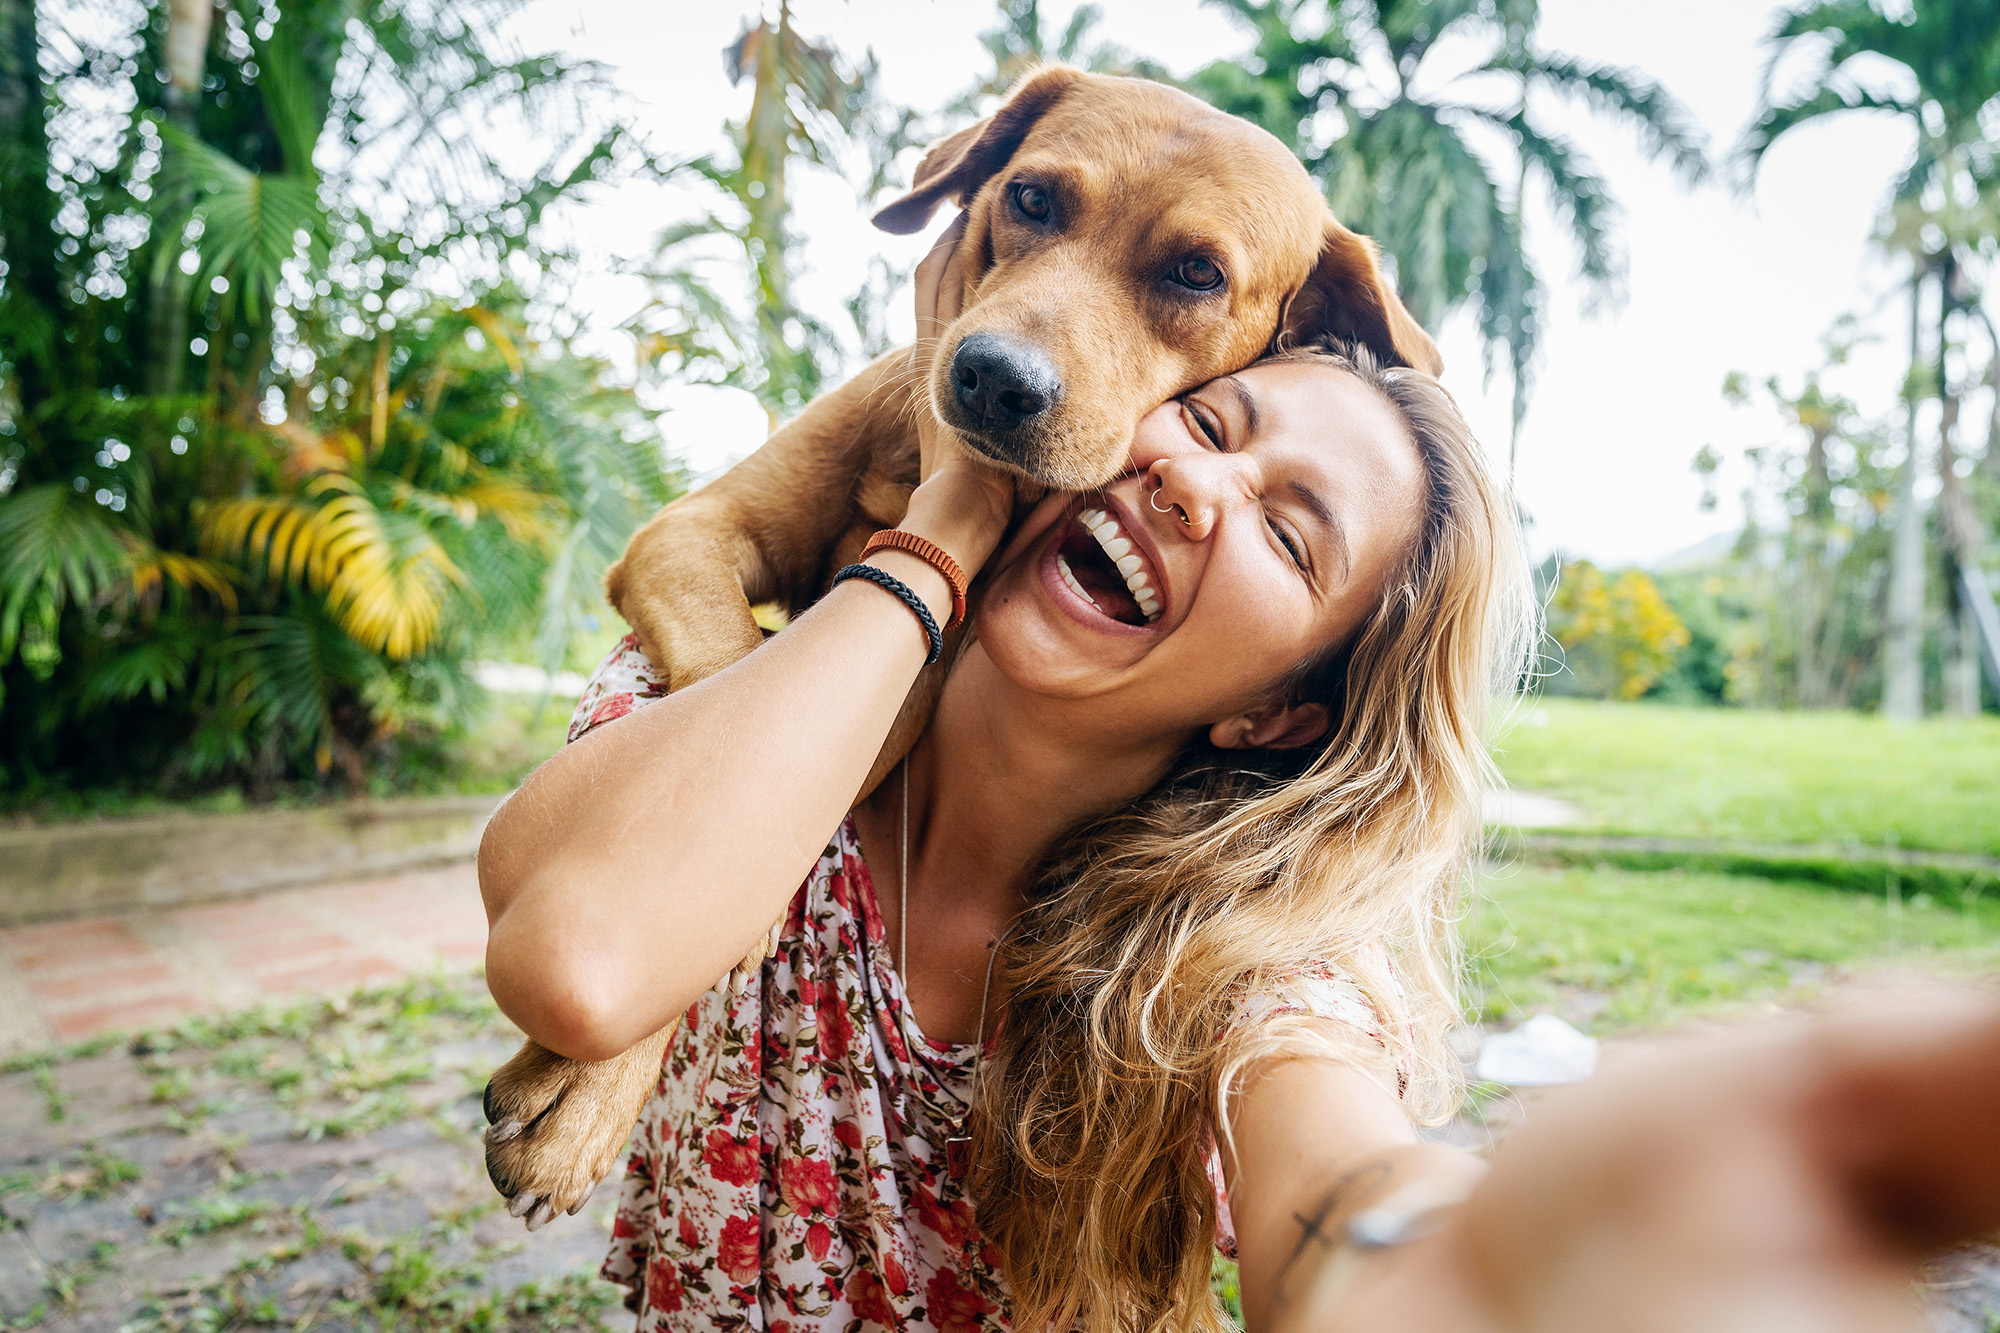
(1789, 1176)
(962, 503)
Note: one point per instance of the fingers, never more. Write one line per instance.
(1906, 1106)
(939, 283)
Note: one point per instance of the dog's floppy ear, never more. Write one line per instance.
(956, 168)
(1347, 296)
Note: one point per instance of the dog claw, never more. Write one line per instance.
(543, 1214)
(502, 1132)
(520, 1203)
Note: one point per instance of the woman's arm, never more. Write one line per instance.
(1315, 1143)
(1790, 1175)
(637, 865)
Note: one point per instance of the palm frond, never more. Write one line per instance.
(1666, 127)
(56, 547)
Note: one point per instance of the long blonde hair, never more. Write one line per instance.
(1116, 1052)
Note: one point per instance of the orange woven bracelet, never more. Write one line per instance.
(895, 539)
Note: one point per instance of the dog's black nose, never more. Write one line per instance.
(1003, 384)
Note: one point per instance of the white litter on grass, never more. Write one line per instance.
(1542, 1051)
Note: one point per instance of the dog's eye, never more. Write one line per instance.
(1198, 272)
(1032, 202)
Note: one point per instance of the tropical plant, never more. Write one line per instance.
(1023, 39)
(1805, 577)
(808, 105)
(1936, 68)
(1395, 106)
(269, 550)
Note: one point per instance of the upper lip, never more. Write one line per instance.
(1135, 528)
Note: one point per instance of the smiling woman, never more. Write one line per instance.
(1193, 806)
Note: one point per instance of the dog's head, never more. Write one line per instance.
(1127, 242)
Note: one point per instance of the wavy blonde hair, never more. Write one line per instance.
(1116, 1052)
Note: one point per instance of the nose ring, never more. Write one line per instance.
(1153, 501)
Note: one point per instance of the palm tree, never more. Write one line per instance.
(1389, 103)
(1945, 55)
(806, 101)
(267, 572)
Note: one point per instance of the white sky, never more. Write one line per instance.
(1624, 399)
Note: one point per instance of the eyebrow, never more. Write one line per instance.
(1320, 510)
(1246, 400)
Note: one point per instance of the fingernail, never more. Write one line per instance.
(520, 1203)
(544, 1213)
(504, 1131)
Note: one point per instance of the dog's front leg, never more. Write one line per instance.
(558, 1125)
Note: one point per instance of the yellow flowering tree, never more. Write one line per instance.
(1618, 634)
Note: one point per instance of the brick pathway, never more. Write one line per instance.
(67, 981)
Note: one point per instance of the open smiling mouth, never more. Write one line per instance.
(1100, 564)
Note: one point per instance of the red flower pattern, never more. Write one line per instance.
(740, 1252)
(953, 1307)
(729, 1161)
(807, 1184)
(704, 1235)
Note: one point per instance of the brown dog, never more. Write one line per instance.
(1127, 242)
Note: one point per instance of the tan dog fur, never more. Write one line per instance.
(1142, 176)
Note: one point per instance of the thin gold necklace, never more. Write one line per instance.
(958, 1143)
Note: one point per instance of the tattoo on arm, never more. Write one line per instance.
(1360, 1184)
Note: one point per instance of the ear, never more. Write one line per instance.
(956, 168)
(1275, 726)
(1347, 296)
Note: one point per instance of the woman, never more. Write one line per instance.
(1183, 838)
(1216, 802)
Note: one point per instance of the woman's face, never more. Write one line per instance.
(1258, 524)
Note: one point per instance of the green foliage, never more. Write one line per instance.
(1620, 949)
(266, 553)
(1752, 776)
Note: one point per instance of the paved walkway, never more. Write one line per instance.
(68, 981)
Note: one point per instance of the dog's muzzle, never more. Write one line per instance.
(1003, 390)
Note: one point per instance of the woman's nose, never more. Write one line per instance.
(1195, 488)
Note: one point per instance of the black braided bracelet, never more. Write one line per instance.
(901, 591)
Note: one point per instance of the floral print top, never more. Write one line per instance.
(789, 1171)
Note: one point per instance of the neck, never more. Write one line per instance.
(999, 775)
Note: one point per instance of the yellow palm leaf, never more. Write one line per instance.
(387, 598)
(152, 567)
(525, 514)
(388, 595)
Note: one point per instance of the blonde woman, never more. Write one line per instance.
(1147, 948)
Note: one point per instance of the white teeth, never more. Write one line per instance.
(1062, 568)
(1123, 554)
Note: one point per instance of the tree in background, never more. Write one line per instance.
(1426, 121)
(1937, 69)
(809, 105)
(268, 550)
(1617, 633)
(1808, 566)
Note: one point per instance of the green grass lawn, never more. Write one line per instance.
(1613, 948)
(1737, 774)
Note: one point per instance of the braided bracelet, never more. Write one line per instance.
(902, 592)
(928, 551)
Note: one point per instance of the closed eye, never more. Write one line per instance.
(1290, 543)
(1200, 416)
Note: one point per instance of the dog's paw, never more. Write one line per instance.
(557, 1126)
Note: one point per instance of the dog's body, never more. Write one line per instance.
(1098, 211)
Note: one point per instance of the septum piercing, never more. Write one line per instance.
(1153, 502)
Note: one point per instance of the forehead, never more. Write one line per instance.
(1164, 161)
(1326, 418)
